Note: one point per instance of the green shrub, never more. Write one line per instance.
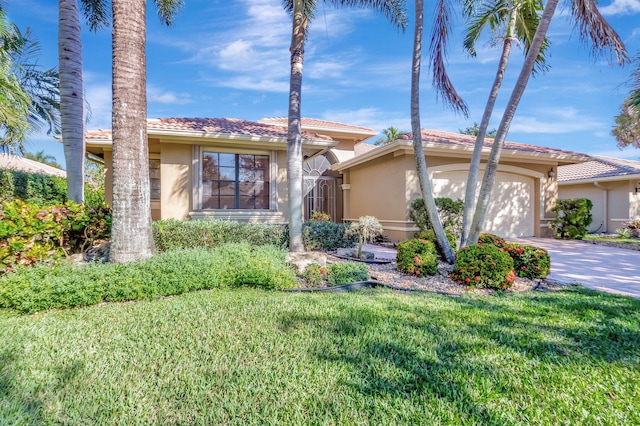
(495, 240)
(32, 188)
(417, 257)
(30, 233)
(529, 261)
(314, 274)
(484, 266)
(346, 272)
(430, 235)
(44, 287)
(573, 216)
(175, 234)
(326, 236)
(449, 211)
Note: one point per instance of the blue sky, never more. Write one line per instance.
(231, 59)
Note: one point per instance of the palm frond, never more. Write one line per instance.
(597, 32)
(527, 22)
(393, 10)
(96, 13)
(487, 15)
(168, 10)
(437, 52)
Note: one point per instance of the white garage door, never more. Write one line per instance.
(511, 210)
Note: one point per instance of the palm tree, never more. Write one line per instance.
(592, 26)
(627, 130)
(391, 134)
(131, 236)
(302, 13)
(444, 86)
(14, 102)
(36, 103)
(43, 158)
(519, 18)
(474, 130)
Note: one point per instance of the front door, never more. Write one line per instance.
(319, 195)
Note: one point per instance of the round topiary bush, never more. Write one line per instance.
(495, 240)
(417, 257)
(430, 235)
(484, 266)
(529, 261)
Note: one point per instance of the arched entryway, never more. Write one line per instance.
(321, 188)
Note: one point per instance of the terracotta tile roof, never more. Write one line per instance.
(316, 123)
(231, 126)
(361, 148)
(466, 141)
(598, 168)
(21, 164)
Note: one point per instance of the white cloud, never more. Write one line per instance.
(565, 120)
(621, 7)
(155, 94)
(369, 117)
(98, 93)
(627, 153)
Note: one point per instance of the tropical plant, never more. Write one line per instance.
(28, 95)
(573, 216)
(366, 228)
(132, 237)
(474, 130)
(484, 266)
(519, 20)
(591, 26)
(627, 129)
(43, 158)
(449, 211)
(303, 12)
(417, 257)
(443, 85)
(391, 134)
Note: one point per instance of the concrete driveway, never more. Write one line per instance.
(602, 268)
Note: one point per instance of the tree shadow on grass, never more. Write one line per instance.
(448, 349)
(21, 404)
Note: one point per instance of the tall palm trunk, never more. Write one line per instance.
(71, 97)
(131, 231)
(294, 137)
(474, 167)
(494, 157)
(421, 165)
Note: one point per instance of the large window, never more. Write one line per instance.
(235, 181)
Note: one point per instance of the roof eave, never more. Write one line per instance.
(601, 179)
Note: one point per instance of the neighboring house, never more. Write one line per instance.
(612, 184)
(236, 169)
(21, 164)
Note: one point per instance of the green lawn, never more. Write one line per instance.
(376, 357)
(631, 241)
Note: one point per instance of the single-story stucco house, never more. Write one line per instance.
(236, 169)
(612, 184)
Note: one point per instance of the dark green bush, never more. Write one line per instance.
(573, 216)
(430, 235)
(484, 266)
(175, 234)
(449, 211)
(529, 261)
(346, 272)
(32, 188)
(492, 239)
(417, 257)
(43, 287)
(30, 233)
(323, 235)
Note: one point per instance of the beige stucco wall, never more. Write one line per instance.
(386, 186)
(614, 202)
(176, 179)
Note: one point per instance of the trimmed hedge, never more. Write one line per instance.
(323, 235)
(573, 216)
(40, 287)
(175, 234)
(449, 211)
(346, 272)
(430, 235)
(529, 261)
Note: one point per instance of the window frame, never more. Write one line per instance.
(198, 195)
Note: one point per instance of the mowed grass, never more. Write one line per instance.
(377, 357)
(622, 240)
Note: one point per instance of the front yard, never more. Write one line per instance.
(378, 357)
